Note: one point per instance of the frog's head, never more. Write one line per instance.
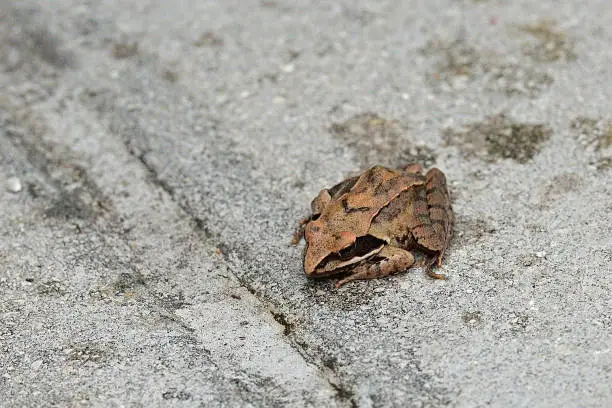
(328, 252)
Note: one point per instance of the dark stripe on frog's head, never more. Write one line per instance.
(348, 209)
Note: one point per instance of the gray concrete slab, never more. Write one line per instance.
(157, 157)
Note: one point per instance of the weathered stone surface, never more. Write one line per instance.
(166, 151)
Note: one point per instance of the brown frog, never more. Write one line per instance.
(367, 225)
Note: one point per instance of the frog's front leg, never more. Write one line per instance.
(299, 231)
(394, 260)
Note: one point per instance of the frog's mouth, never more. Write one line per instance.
(363, 248)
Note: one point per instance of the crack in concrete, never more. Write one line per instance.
(343, 393)
(39, 155)
(85, 201)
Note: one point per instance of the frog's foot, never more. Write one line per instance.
(434, 275)
(299, 231)
(436, 260)
(395, 260)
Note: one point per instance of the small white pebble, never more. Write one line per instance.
(14, 185)
(541, 254)
(36, 365)
(459, 82)
(288, 68)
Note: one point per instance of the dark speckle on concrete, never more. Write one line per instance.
(595, 136)
(209, 39)
(551, 44)
(71, 205)
(499, 137)
(124, 48)
(176, 394)
(28, 38)
(89, 352)
(593, 133)
(52, 288)
(472, 319)
(458, 65)
(381, 141)
(49, 48)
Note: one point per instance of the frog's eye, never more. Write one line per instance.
(361, 247)
(348, 252)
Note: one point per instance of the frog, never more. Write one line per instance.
(369, 226)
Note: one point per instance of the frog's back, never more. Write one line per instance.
(373, 190)
(392, 222)
(419, 216)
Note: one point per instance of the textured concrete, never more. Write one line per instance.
(156, 158)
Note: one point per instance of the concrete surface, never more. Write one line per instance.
(157, 156)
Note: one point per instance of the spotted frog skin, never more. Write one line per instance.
(367, 226)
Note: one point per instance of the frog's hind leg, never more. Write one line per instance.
(440, 210)
(395, 260)
(441, 215)
(433, 218)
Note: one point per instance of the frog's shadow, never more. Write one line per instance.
(350, 296)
